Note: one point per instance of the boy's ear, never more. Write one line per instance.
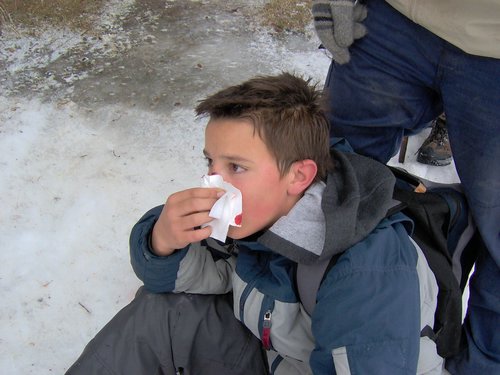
(303, 173)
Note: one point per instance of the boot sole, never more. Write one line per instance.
(435, 162)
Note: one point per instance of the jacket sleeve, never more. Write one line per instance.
(367, 316)
(204, 268)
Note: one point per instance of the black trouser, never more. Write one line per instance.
(173, 334)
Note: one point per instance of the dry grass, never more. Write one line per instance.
(281, 15)
(75, 14)
(287, 15)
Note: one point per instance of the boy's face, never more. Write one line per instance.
(237, 153)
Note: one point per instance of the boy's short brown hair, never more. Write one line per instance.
(287, 112)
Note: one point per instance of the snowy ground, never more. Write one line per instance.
(95, 130)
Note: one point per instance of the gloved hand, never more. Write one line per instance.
(338, 24)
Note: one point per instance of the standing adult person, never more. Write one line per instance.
(398, 64)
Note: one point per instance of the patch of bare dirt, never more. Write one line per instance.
(152, 54)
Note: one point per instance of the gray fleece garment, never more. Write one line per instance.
(354, 200)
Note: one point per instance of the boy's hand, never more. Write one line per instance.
(179, 222)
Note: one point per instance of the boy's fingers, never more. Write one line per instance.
(199, 234)
(193, 206)
(195, 220)
(206, 192)
(196, 193)
(183, 214)
(184, 231)
(191, 201)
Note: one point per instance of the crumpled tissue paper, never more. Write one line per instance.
(227, 210)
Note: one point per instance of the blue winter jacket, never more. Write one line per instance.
(371, 306)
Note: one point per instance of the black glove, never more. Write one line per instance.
(338, 24)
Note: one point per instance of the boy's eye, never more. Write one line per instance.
(208, 161)
(236, 168)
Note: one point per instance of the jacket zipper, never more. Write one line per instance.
(266, 330)
(246, 292)
(243, 298)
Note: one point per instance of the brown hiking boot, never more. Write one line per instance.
(435, 150)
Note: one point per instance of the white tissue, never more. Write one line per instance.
(227, 210)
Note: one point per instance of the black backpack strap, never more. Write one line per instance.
(414, 183)
(308, 279)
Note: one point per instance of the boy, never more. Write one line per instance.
(268, 137)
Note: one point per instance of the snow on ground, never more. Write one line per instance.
(70, 192)
(74, 179)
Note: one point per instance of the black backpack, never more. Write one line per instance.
(444, 230)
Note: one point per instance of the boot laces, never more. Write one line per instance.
(439, 132)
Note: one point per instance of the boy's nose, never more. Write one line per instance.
(214, 173)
